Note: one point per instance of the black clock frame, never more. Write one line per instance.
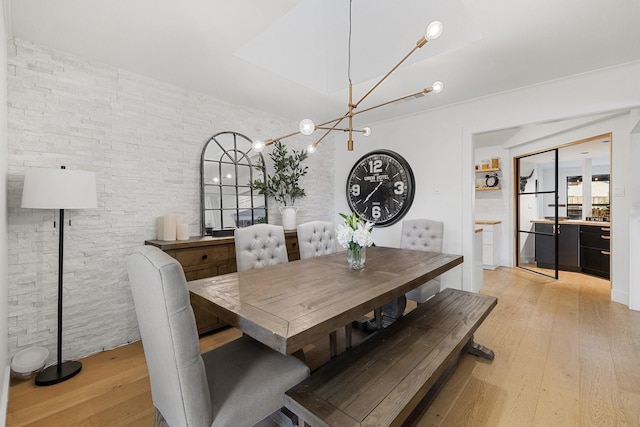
(410, 191)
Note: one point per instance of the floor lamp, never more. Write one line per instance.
(59, 189)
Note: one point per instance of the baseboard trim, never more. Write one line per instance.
(4, 396)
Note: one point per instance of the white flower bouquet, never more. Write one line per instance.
(355, 235)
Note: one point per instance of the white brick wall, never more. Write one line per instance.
(143, 139)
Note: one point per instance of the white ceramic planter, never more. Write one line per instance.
(289, 217)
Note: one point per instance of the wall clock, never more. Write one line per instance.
(381, 187)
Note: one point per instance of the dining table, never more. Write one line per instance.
(290, 305)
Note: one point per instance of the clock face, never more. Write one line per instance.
(380, 187)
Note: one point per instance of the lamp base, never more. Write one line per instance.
(52, 375)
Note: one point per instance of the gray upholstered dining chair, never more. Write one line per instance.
(423, 235)
(316, 238)
(237, 384)
(260, 245)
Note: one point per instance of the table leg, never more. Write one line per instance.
(333, 344)
(347, 336)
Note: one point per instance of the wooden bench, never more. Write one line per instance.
(383, 380)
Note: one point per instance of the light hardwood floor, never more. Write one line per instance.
(565, 356)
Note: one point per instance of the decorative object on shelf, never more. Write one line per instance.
(381, 187)
(307, 126)
(491, 180)
(495, 163)
(59, 189)
(355, 236)
(284, 184)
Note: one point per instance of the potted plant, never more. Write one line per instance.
(284, 184)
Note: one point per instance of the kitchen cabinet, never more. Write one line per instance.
(595, 250)
(490, 243)
(202, 257)
(568, 247)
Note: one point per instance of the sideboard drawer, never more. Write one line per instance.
(202, 256)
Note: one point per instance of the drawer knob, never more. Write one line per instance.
(205, 256)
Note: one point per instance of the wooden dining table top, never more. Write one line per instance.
(290, 305)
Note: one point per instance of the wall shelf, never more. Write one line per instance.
(487, 170)
(487, 188)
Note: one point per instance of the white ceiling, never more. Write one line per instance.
(289, 57)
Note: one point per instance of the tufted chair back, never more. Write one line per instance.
(423, 235)
(316, 238)
(260, 245)
(177, 372)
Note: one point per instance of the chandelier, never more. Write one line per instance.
(307, 126)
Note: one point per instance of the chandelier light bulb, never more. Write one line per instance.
(434, 30)
(437, 87)
(311, 148)
(306, 126)
(366, 131)
(258, 145)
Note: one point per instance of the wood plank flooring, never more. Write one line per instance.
(565, 356)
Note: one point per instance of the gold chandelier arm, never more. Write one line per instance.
(418, 45)
(424, 91)
(341, 129)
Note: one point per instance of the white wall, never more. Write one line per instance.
(4, 361)
(439, 145)
(143, 138)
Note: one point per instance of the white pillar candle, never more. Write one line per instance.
(169, 232)
(183, 232)
(160, 225)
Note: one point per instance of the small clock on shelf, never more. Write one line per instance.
(491, 180)
(381, 187)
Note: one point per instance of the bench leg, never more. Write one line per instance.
(480, 351)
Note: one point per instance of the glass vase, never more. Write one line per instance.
(356, 256)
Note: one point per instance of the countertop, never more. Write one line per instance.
(572, 221)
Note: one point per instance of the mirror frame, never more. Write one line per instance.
(240, 147)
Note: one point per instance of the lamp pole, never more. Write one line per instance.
(61, 371)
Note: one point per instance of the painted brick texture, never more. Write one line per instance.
(143, 139)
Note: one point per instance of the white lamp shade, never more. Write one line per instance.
(59, 189)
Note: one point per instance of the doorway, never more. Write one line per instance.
(562, 209)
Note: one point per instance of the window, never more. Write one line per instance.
(228, 167)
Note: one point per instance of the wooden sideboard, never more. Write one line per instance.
(202, 257)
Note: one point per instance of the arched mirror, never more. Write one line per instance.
(228, 167)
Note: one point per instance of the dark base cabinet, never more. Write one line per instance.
(595, 250)
(203, 257)
(568, 247)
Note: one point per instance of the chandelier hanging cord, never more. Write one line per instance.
(306, 127)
